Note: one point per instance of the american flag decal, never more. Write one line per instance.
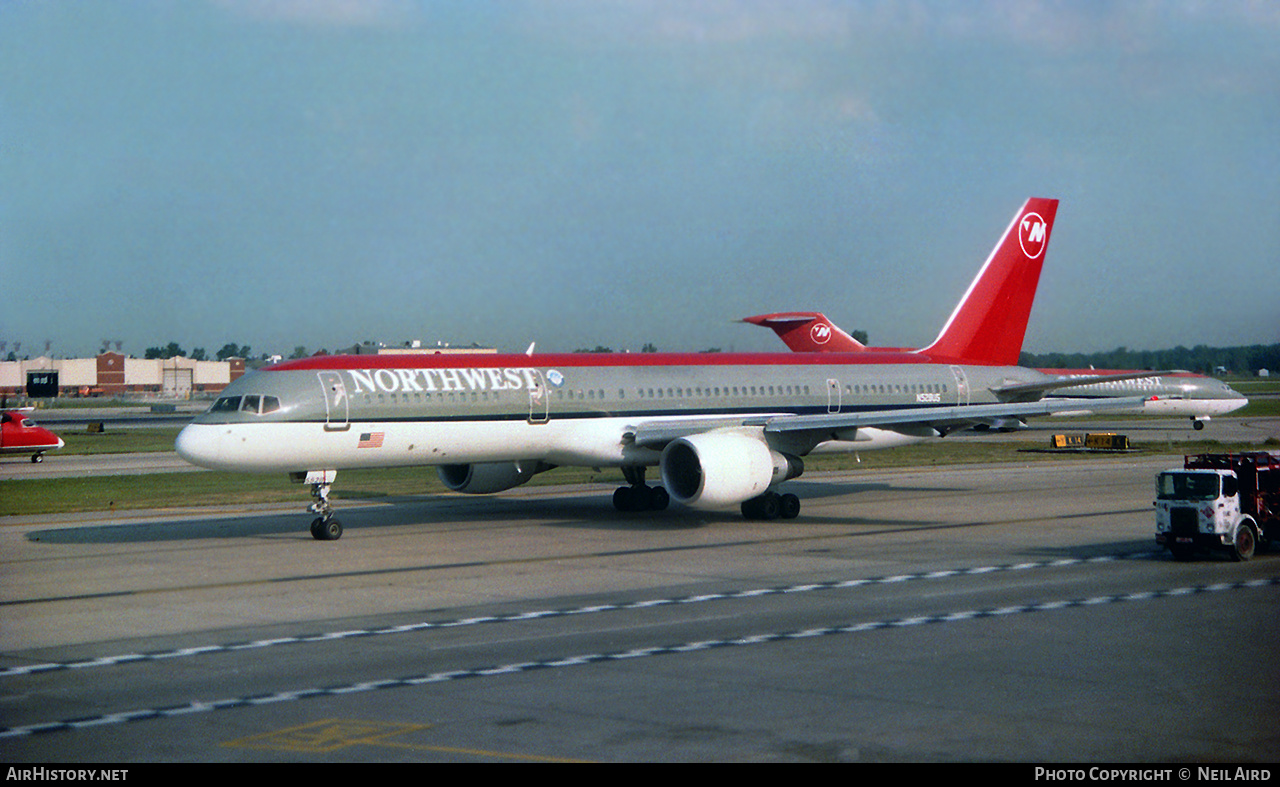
(371, 440)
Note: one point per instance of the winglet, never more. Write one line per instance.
(990, 322)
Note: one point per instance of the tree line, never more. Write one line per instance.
(174, 350)
(1201, 358)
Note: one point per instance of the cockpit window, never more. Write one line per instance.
(251, 403)
(227, 404)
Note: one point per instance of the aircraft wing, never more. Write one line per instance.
(1024, 391)
(924, 422)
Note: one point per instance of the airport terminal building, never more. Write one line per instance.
(115, 374)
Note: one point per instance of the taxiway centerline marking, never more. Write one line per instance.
(848, 584)
(142, 714)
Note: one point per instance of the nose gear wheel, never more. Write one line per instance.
(325, 527)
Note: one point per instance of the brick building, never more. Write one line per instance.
(115, 374)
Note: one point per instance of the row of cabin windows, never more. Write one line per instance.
(914, 388)
(464, 396)
(262, 405)
(716, 391)
(1145, 382)
(661, 393)
(782, 390)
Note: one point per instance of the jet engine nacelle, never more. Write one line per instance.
(719, 469)
(486, 477)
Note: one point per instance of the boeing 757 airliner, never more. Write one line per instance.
(722, 429)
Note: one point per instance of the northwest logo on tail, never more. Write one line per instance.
(1033, 234)
(820, 333)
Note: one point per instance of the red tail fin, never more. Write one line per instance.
(808, 332)
(990, 322)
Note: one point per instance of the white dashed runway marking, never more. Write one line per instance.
(561, 662)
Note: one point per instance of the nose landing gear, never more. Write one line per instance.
(326, 526)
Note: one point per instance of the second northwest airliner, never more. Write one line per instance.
(723, 429)
(1169, 392)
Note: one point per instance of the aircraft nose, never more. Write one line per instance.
(47, 437)
(199, 444)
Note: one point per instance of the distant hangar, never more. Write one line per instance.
(115, 374)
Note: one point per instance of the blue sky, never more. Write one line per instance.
(580, 172)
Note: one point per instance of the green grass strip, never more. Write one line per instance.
(169, 490)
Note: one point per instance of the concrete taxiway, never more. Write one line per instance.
(977, 613)
(18, 468)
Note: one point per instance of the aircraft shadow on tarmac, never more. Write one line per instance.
(553, 511)
(571, 510)
(175, 530)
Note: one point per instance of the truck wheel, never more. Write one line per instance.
(1246, 542)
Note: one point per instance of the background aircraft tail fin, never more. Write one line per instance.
(808, 332)
(990, 321)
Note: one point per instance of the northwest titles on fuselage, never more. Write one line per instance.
(457, 379)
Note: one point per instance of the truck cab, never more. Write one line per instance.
(1219, 502)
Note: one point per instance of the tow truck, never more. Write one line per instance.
(1219, 502)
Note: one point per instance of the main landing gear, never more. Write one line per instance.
(637, 496)
(772, 505)
(325, 527)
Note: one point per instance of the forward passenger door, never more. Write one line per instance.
(337, 402)
(539, 399)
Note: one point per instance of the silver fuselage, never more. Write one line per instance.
(562, 409)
